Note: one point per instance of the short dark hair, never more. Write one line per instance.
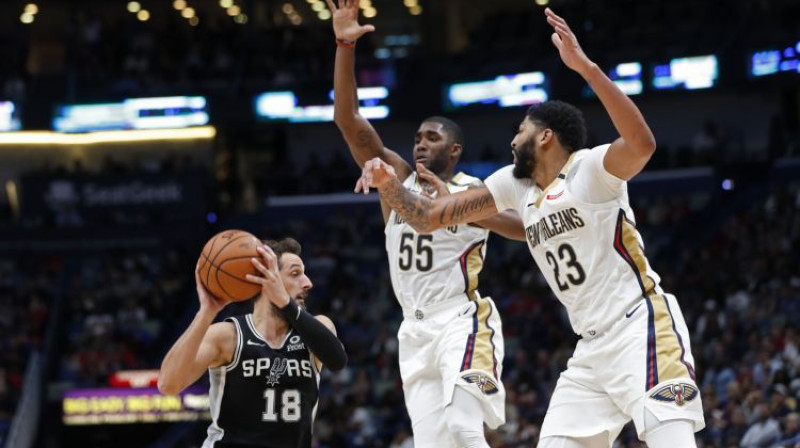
(450, 127)
(284, 246)
(564, 119)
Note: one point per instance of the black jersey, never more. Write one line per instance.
(265, 398)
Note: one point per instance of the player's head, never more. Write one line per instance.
(437, 144)
(552, 124)
(292, 269)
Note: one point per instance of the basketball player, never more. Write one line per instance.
(451, 340)
(633, 360)
(264, 367)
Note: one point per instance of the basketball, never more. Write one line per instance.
(225, 262)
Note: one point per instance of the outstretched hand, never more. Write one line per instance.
(345, 20)
(375, 173)
(567, 44)
(434, 182)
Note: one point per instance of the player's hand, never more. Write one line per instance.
(567, 44)
(375, 173)
(207, 300)
(272, 287)
(345, 20)
(434, 184)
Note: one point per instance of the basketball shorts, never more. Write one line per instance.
(644, 361)
(452, 343)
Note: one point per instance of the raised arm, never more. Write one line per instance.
(362, 139)
(201, 346)
(627, 155)
(420, 212)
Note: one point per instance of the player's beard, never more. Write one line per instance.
(526, 160)
(301, 299)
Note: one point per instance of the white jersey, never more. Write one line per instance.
(427, 269)
(582, 234)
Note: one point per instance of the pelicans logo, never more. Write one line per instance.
(680, 393)
(485, 383)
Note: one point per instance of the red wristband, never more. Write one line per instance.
(345, 43)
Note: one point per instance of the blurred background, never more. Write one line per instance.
(133, 131)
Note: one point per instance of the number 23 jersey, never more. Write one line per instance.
(582, 234)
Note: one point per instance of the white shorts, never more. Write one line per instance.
(453, 343)
(644, 361)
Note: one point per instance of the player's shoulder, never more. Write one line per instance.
(222, 332)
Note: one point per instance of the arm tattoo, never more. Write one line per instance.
(458, 210)
(416, 209)
(413, 208)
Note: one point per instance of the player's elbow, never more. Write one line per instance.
(646, 144)
(167, 387)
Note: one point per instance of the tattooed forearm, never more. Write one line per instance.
(456, 211)
(413, 208)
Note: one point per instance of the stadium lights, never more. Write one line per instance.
(415, 10)
(179, 4)
(318, 6)
(241, 19)
(194, 21)
(105, 137)
(370, 12)
(225, 3)
(234, 10)
(364, 4)
(187, 13)
(134, 7)
(324, 14)
(542, 2)
(143, 15)
(29, 13)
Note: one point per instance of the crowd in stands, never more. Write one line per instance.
(120, 313)
(28, 286)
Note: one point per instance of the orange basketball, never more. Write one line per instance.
(225, 262)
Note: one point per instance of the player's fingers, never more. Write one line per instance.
(331, 6)
(259, 266)
(556, 40)
(367, 28)
(255, 279)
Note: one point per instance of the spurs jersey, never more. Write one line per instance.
(428, 269)
(590, 252)
(265, 397)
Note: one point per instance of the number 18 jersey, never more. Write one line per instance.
(589, 251)
(427, 269)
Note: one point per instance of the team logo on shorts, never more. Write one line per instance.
(680, 393)
(485, 383)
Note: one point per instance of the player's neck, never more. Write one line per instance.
(272, 326)
(549, 167)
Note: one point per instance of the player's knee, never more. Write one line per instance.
(465, 429)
